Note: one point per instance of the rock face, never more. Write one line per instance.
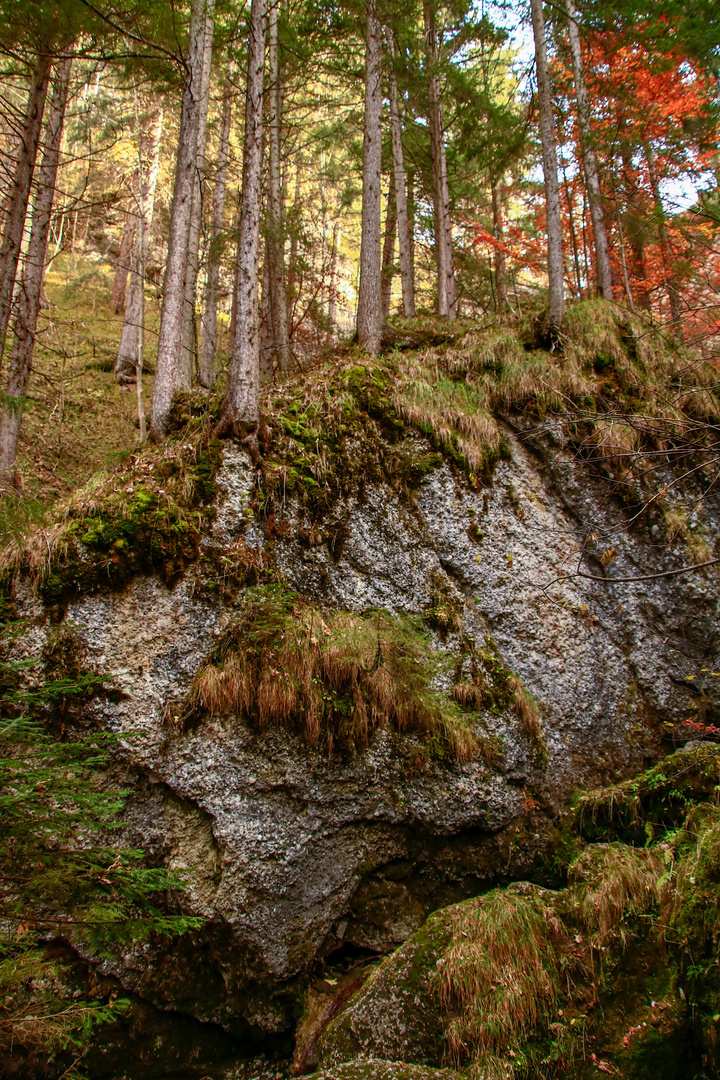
(297, 856)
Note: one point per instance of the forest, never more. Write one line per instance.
(360, 410)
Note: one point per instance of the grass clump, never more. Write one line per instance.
(336, 676)
(615, 883)
(500, 980)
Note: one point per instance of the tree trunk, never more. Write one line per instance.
(369, 312)
(501, 297)
(388, 250)
(403, 230)
(556, 270)
(31, 289)
(209, 323)
(20, 191)
(126, 362)
(592, 180)
(240, 413)
(411, 222)
(670, 288)
(275, 233)
(447, 302)
(189, 343)
(171, 372)
(122, 266)
(333, 292)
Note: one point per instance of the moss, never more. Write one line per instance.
(444, 612)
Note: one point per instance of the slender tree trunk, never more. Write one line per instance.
(267, 349)
(171, 373)
(626, 279)
(411, 223)
(405, 257)
(240, 413)
(501, 296)
(369, 312)
(20, 191)
(126, 363)
(670, 288)
(276, 225)
(573, 234)
(332, 300)
(122, 266)
(196, 220)
(556, 270)
(209, 324)
(33, 272)
(447, 303)
(388, 250)
(592, 179)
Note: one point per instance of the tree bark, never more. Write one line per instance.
(240, 412)
(369, 312)
(556, 270)
(33, 272)
(403, 229)
(209, 322)
(20, 191)
(122, 266)
(411, 221)
(126, 362)
(388, 250)
(189, 343)
(447, 302)
(275, 233)
(592, 179)
(501, 296)
(171, 372)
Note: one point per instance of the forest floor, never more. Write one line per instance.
(77, 420)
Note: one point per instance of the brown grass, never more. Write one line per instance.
(337, 677)
(615, 882)
(499, 979)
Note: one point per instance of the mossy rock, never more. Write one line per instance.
(375, 1069)
(397, 1013)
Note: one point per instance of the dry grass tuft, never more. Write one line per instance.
(499, 979)
(336, 677)
(615, 883)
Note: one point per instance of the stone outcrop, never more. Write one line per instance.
(297, 856)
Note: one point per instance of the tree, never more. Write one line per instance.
(403, 224)
(189, 341)
(240, 411)
(556, 271)
(592, 180)
(369, 312)
(209, 322)
(447, 303)
(172, 372)
(19, 196)
(32, 279)
(275, 225)
(126, 364)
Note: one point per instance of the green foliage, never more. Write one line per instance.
(63, 871)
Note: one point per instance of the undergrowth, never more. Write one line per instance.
(619, 970)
